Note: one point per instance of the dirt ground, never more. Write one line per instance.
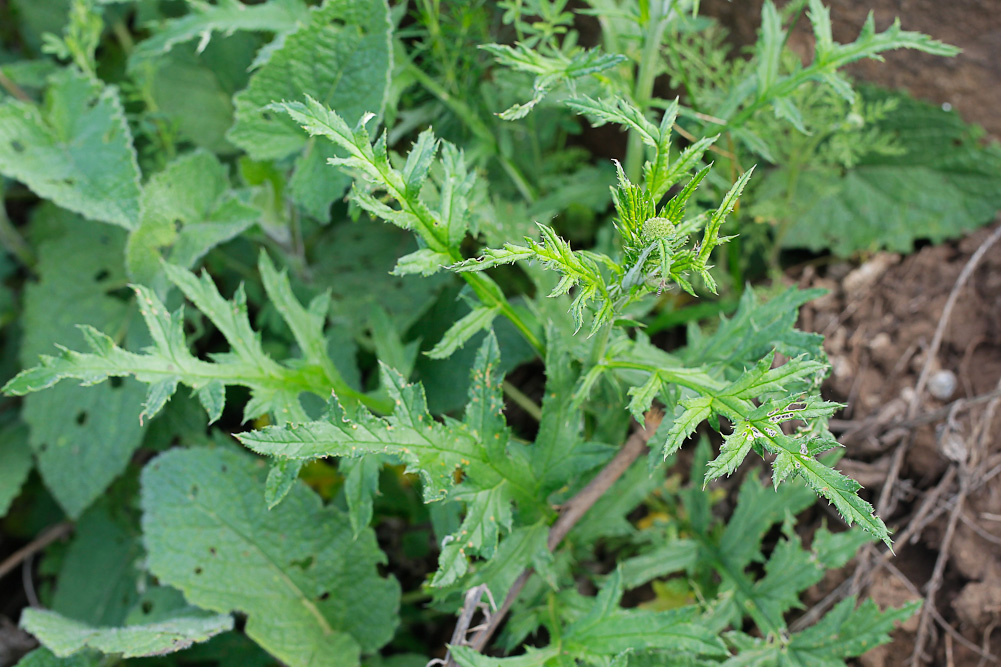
(915, 346)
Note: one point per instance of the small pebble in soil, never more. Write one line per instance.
(942, 384)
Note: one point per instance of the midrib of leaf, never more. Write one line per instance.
(310, 607)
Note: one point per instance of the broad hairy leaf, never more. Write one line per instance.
(76, 150)
(15, 463)
(940, 185)
(82, 437)
(65, 636)
(340, 57)
(100, 574)
(309, 588)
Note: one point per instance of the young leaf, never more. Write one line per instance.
(188, 208)
(607, 629)
(307, 587)
(342, 57)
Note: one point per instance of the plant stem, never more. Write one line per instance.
(643, 90)
(572, 513)
(523, 401)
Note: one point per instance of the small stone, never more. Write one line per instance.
(942, 384)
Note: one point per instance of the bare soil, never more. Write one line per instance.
(915, 346)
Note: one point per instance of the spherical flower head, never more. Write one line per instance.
(657, 228)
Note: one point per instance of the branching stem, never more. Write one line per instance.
(571, 513)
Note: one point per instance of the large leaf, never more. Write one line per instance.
(75, 150)
(65, 636)
(342, 58)
(100, 576)
(15, 463)
(311, 592)
(942, 184)
(82, 437)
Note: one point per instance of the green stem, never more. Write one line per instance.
(643, 91)
(523, 401)
(479, 129)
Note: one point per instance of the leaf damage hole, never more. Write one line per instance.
(303, 564)
(147, 607)
(323, 596)
(116, 382)
(81, 418)
(101, 275)
(198, 570)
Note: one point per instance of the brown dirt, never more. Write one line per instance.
(931, 465)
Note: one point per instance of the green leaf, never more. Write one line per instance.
(341, 58)
(188, 208)
(842, 492)
(65, 636)
(275, 388)
(82, 437)
(755, 330)
(694, 412)
(433, 449)
(478, 319)
(311, 592)
(361, 484)
(76, 150)
(487, 511)
(99, 577)
(548, 69)
(941, 185)
(15, 463)
(846, 632)
(43, 657)
(533, 657)
(227, 16)
(193, 92)
(607, 629)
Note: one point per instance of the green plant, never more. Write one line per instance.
(327, 356)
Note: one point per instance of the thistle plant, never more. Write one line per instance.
(512, 510)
